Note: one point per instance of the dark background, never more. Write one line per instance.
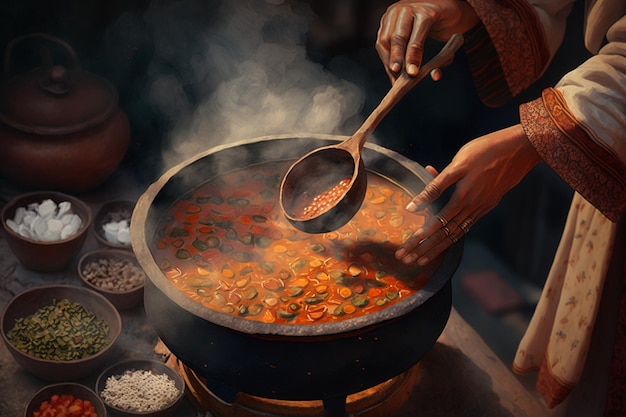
(428, 125)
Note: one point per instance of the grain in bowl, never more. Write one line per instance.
(114, 273)
(140, 387)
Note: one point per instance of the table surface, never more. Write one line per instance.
(460, 376)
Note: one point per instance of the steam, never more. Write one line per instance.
(223, 71)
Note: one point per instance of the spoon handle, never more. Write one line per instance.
(402, 85)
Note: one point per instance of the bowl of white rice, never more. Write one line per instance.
(141, 387)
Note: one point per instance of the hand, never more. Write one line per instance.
(406, 24)
(483, 170)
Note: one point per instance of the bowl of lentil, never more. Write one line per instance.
(114, 273)
(46, 229)
(141, 387)
(60, 333)
(70, 398)
(111, 224)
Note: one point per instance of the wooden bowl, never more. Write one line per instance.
(68, 388)
(155, 367)
(30, 301)
(46, 256)
(112, 211)
(102, 266)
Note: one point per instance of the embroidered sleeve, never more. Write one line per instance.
(510, 51)
(593, 170)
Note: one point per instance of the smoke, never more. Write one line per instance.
(222, 71)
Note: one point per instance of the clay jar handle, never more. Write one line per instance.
(57, 79)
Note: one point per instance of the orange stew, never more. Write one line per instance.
(228, 246)
(65, 405)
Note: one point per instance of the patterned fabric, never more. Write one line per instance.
(566, 147)
(517, 36)
(559, 333)
(485, 67)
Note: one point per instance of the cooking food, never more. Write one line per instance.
(321, 202)
(228, 246)
(65, 405)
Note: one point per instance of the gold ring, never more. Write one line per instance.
(446, 230)
(466, 224)
(453, 238)
(442, 220)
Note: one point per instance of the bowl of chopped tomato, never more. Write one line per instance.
(68, 399)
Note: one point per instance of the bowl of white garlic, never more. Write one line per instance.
(111, 224)
(46, 229)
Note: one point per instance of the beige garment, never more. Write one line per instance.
(560, 332)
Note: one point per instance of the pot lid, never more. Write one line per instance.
(56, 100)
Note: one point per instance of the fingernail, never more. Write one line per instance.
(412, 70)
(400, 253)
(423, 261)
(411, 206)
(395, 67)
(410, 258)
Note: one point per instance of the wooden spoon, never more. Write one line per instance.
(325, 188)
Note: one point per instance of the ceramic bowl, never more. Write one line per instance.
(114, 273)
(138, 365)
(31, 301)
(77, 391)
(46, 256)
(108, 226)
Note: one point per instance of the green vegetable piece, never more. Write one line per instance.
(241, 256)
(285, 314)
(179, 232)
(360, 301)
(317, 248)
(250, 293)
(200, 245)
(392, 295)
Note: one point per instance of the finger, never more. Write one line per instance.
(390, 43)
(435, 245)
(415, 45)
(432, 191)
(436, 74)
(431, 170)
(427, 196)
(432, 224)
(419, 244)
(430, 240)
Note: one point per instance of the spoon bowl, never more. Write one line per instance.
(325, 188)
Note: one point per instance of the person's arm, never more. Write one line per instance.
(579, 126)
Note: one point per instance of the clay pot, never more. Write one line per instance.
(60, 127)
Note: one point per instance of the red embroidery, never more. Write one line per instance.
(518, 37)
(562, 143)
(554, 391)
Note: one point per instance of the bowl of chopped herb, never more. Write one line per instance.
(60, 332)
(141, 387)
(67, 399)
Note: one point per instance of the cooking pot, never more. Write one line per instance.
(325, 361)
(60, 127)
